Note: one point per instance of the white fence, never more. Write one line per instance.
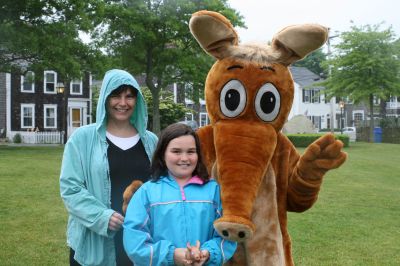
(51, 137)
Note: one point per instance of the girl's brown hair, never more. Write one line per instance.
(173, 131)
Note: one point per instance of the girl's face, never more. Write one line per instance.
(181, 157)
(120, 106)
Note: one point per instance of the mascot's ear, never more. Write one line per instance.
(213, 32)
(297, 41)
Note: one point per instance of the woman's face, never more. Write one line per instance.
(181, 157)
(120, 106)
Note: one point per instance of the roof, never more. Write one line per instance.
(304, 77)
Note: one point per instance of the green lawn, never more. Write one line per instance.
(356, 220)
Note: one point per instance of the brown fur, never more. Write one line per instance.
(128, 193)
(260, 172)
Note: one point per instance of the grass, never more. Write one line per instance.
(356, 220)
(33, 217)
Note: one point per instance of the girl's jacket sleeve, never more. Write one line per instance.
(221, 250)
(80, 203)
(138, 243)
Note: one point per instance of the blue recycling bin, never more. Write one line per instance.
(377, 134)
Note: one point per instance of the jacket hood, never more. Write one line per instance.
(112, 80)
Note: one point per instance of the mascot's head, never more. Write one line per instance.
(249, 94)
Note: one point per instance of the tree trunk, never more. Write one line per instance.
(382, 109)
(196, 105)
(180, 97)
(156, 110)
(371, 121)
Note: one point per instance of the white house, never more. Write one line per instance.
(310, 100)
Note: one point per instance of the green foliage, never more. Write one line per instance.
(170, 112)
(152, 38)
(45, 35)
(389, 122)
(314, 62)
(364, 64)
(95, 99)
(304, 140)
(17, 138)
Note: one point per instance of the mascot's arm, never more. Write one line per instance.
(128, 194)
(206, 137)
(306, 177)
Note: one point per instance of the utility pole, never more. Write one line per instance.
(332, 100)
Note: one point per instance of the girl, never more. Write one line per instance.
(178, 206)
(99, 161)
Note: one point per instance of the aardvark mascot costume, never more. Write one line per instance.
(249, 93)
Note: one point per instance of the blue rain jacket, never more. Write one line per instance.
(163, 216)
(84, 180)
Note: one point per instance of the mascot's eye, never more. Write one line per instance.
(232, 99)
(268, 102)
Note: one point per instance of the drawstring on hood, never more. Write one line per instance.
(112, 80)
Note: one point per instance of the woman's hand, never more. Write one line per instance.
(116, 221)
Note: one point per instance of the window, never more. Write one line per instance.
(203, 119)
(306, 96)
(315, 96)
(393, 99)
(311, 96)
(27, 115)
(50, 116)
(50, 81)
(316, 120)
(76, 87)
(358, 116)
(28, 82)
(376, 100)
(188, 117)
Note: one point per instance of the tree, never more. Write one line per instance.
(170, 112)
(365, 66)
(45, 35)
(314, 62)
(152, 37)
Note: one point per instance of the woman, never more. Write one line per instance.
(99, 161)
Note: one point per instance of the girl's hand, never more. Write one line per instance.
(180, 258)
(205, 255)
(193, 253)
(115, 222)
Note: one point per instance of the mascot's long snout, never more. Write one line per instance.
(246, 149)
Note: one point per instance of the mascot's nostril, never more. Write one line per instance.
(241, 234)
(225, 233)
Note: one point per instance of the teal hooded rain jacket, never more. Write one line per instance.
(85, 183)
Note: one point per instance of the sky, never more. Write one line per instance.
(264, 18)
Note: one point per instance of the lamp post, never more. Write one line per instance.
(61, 90)
(341, 105)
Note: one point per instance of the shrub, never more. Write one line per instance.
(17, 138)
(304, 140)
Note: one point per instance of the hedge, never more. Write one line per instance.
(304, 140)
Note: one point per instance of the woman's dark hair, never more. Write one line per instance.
(173, 131)
(122, 89)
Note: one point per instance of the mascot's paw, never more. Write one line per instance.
(128, 193)
(322, 155)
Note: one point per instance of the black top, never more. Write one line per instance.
(125, 167)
